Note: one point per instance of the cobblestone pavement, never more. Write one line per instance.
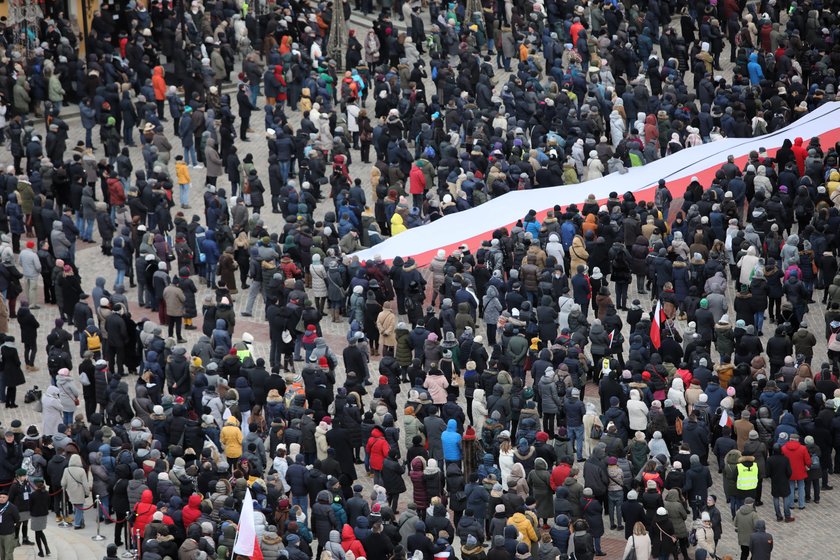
(812, 533)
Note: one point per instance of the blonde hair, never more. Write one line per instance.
(639, 529)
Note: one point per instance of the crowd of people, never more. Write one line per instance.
(505, 402)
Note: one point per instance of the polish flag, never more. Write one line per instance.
(656, 325)
(246, 538)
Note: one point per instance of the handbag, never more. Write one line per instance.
(632, 554)
(84, 379)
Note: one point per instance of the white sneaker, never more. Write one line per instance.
(198, 166)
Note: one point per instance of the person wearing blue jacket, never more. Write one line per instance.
(754, 69)
(451, 441)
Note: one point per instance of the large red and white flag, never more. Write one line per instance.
(475, 225)
(247, 543)
(656, 325)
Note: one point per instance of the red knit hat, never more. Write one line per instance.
(323, 363)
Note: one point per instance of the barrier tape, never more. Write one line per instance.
(108, 517)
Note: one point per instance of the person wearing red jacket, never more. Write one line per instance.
(350, 543)
(800, 463)
(417, 184)
(144, 512)
(377, 449)
(800, 152)
(559, 474)
(191, 511)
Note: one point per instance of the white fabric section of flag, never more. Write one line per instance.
(477, 223)
(247, 534)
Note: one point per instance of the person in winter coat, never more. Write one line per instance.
(677, 514)
(663, 541)
(323, 519)
(593, 513)
(638, 543)
(74, 481)
(539, 482)
(52, 412)
(376, 450)
(761, 542)
(69, 394)
(779, 472)
(745, 522)
(800, 464)
(551, 402)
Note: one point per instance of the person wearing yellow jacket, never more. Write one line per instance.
(182, 172)
(397, 225)
(231, 440)
(525, 521)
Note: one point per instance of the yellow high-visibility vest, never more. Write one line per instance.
(747, 477)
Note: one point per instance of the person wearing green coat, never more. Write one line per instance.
(403, 352)
(517, 350)
(55, 93)
(539, 481)
(724, 337)
(20, 95)
(745, 525)
(677, 513)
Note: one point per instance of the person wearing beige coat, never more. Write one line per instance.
(578, 252)
(386, 323)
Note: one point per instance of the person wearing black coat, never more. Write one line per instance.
(698, 480)
(593, 513)
(392, 479)
(245, 110)
(455, 488)
(696, 436)
(377, 544)
(340, 441)
(12, 372)
(354, 360)
(595, 473)
(258, 378)
(761, 542)
(323, 519)
(419, 541)
(28, 334)
(779, 472)
(662, 538)
(631, 512)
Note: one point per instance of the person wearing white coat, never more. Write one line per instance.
(637, 412)
(594, 168)
(590, 419)
(564, 307)
(479, 410)
(321, 445)
(505, 458)
(676, 394)
(639, 542)
(69, 394)
(52, 412)
(353, 111)
(555, 249)
(617, 128)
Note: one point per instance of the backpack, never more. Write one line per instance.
(815, 461)
(94, 341)
(692, 537)
(28, 466)
(54, 361)
(292, 391)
